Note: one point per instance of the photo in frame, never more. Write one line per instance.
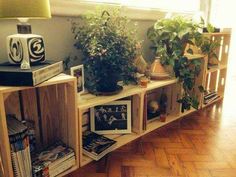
(111, 118)
(78, 72)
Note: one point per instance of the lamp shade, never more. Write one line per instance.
(25, 9)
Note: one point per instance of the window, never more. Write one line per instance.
(166, 5)
(139, 9)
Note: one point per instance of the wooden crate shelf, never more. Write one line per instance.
(88, 100)
(124, 139)
(215, 78)
(61, 109)
(51, 106)
(171, 87)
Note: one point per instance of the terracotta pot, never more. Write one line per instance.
(163, 117)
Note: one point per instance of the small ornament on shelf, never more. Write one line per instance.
(158, 71)
(139, 61)
(143, 82)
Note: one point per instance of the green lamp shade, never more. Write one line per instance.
(25, 9)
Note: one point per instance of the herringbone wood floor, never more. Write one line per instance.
(201, 145)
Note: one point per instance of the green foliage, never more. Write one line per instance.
(187, 72)
(210, 28)
(208, 46)
(169, 37)
(108, 48)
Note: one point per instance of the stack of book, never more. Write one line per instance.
(96, 146)
(20, 149)
(210, 96)
(53, 160)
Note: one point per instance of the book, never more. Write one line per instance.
(20, 149)
(96, 146)
(211, 99)
(51, 159)
(12, 75)
(62, 167)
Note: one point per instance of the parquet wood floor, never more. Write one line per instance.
(203, 144)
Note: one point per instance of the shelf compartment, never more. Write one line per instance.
(51, 106)
(88, 100)
(172, 92)
(124, 139)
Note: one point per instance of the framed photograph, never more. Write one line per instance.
(111, 118)
(78, 72)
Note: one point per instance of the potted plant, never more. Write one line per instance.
(109, 48)
(169, 38)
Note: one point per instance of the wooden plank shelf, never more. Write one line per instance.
(214, 69)
(126, 138)
(88, 100)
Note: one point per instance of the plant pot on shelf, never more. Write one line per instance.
(103, 82)
(158, 72)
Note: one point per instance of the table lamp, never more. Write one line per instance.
(25, 48)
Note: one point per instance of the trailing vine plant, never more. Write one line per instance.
(169, 39)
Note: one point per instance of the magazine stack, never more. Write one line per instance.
(96, 146)
(20, 149)
(53, 160)
(210, 96)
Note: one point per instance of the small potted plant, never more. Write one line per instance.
(109, 49)
(169, 38)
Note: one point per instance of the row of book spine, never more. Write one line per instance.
(210, 96)
(50, 162)
(20, 149)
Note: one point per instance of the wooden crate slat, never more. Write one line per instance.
(63, 112)
(30, 109)
(225, 50)
(222, 80)
(137, 113)
(49, 114)
(213, 79)
(4, 145)
(12, 104)
(73, 123)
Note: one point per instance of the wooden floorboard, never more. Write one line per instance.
(202, 145)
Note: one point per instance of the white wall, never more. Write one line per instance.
(58, 37)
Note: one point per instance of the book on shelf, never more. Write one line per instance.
(12, 75)
(210, 96)
(211, 99)
(96, 146)
(53, 160)
(20, 149)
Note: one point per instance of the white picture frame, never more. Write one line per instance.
(111, 118)
(78, 72)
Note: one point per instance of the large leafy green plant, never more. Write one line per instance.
(108, 47)
(169, 38)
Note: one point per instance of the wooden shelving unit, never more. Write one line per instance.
(137, 94)
(61, 109)
(51, 106)
(215, 77)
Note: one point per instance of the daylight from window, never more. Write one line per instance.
(172, 5)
